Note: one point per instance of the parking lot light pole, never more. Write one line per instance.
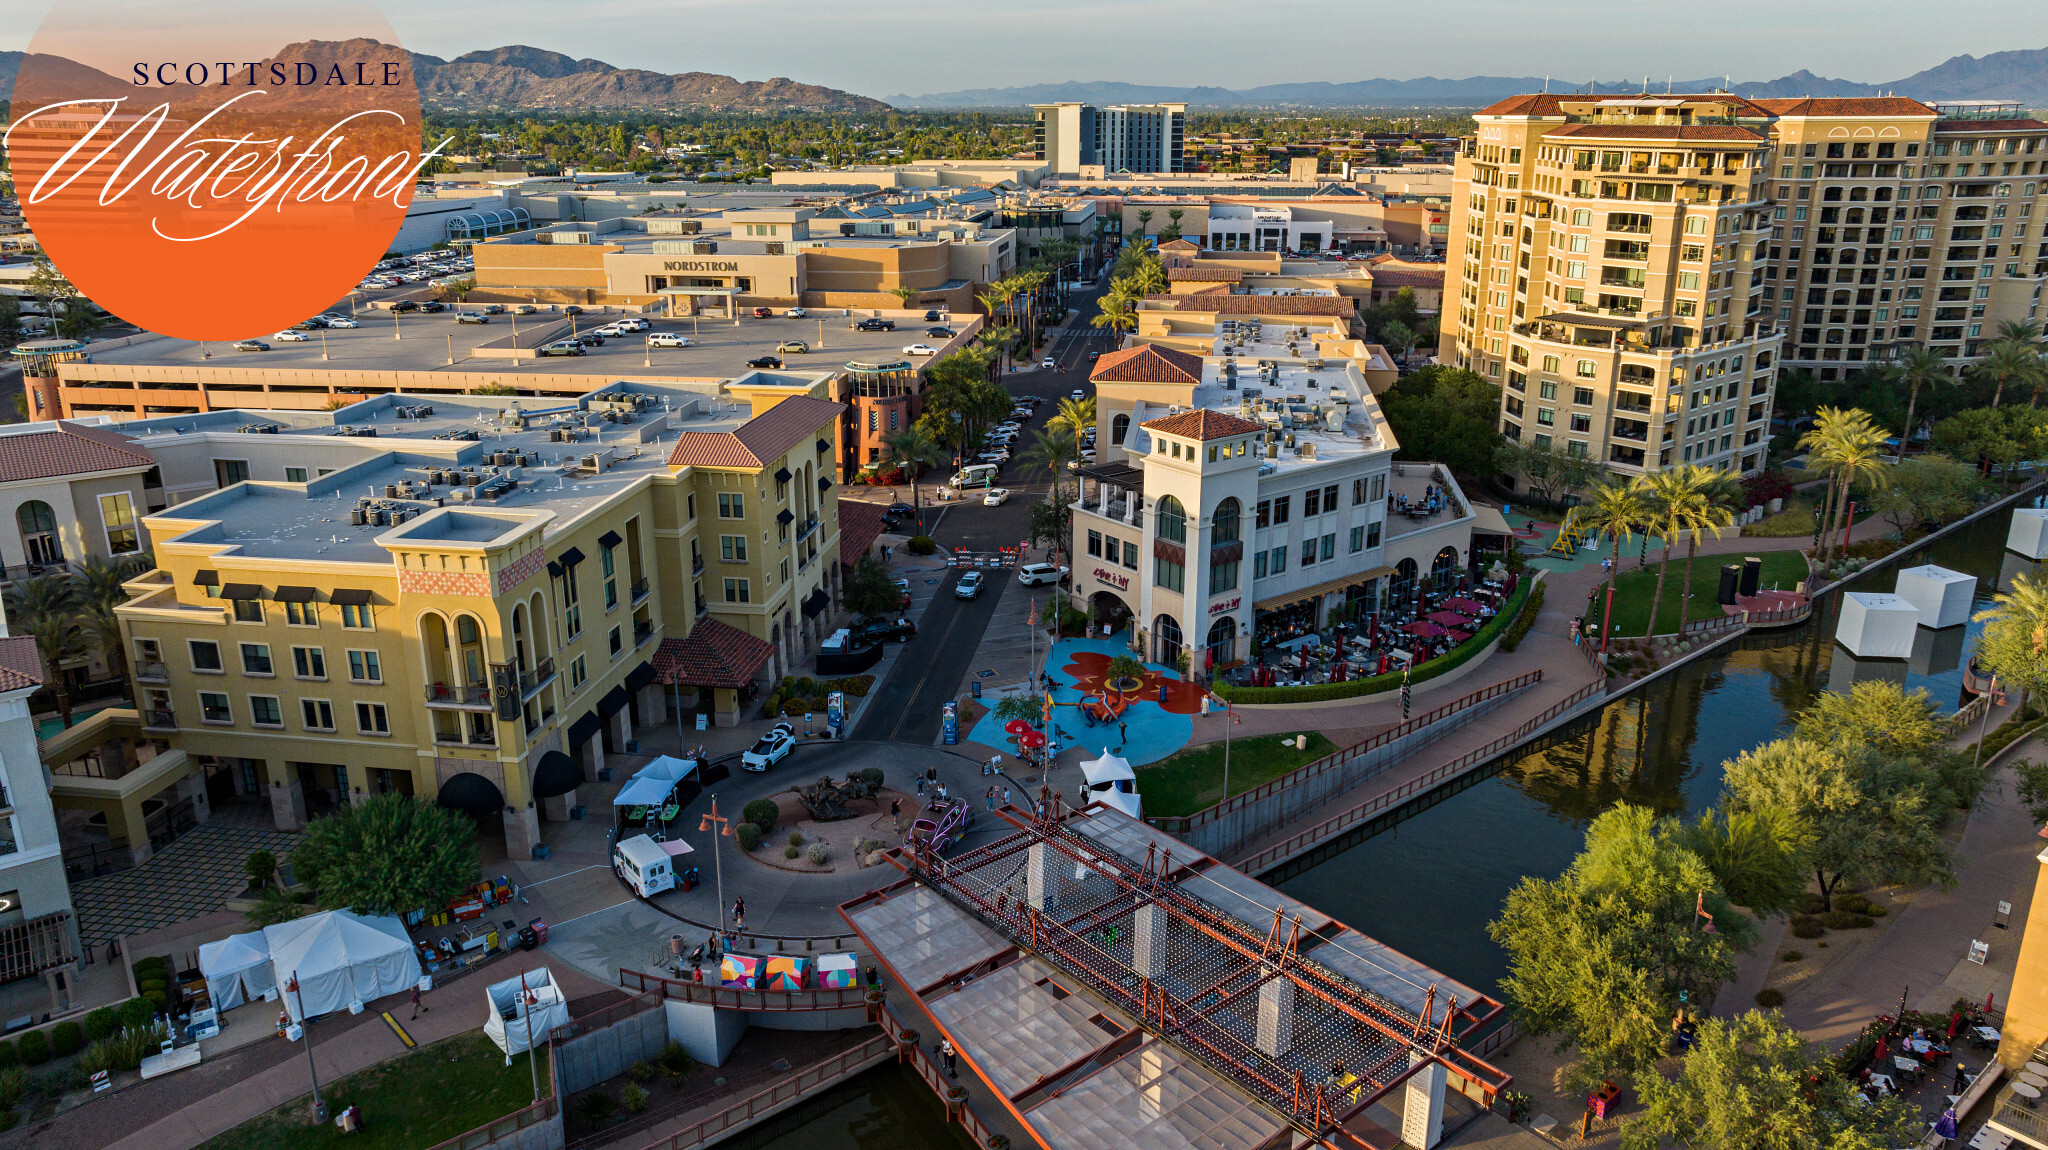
(395, 333)
(323, 344)
(720, 827)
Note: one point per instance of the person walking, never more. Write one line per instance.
(896, 813)
(951, 1056)
(1006, 796)
(1962, 1078)
(920, 786)
(1123, 733)
(991, 797)
(416, 1007)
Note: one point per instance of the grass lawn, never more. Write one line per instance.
(1192, 780)
(1795, 519)
(1633, 591)
(430, 1095)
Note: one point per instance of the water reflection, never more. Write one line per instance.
(887, 1108)
(1428, 885)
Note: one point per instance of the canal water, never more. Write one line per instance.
(1427, 879)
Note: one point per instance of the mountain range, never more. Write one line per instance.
(2020, 75)
(517, 77)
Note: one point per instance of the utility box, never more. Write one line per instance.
(2028, 534)
(1943, 597)
(1877, 626)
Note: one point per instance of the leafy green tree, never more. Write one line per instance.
(387, 854)
(1758, 856)
(1919, 367)
(2031, 779)
(1927, 488)
(1551, 471)
(1754, 1083)
(912, 450)
(10, 321)
(1800, 392)
(1883, 716)
(1994, 437)
(2014, 645)
(869, 590)
(1448, 415)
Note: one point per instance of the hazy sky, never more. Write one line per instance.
(920, 46)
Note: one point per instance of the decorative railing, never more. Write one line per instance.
(711, 1129)
(731, 998)
(461, 696)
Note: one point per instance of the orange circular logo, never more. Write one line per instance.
(217, 177)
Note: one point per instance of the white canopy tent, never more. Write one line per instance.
(1125, 801)
(236, 969)
(340, 958)
(1110, 780)
(523, 1012)
(651, 784)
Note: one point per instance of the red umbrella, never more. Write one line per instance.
(1883, 1047)
(1031, 740)
(1337, 672)
(1384, 660)
(1016, 727)
(1457, 636)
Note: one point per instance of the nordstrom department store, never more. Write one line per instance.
(774, 258)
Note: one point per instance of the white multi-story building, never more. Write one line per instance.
(1140, 138)
(38, 931)
(1235, 502)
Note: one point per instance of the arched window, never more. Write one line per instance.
(1166, 640)
(1227, 513)
(469, 639)
(1118, 427)
(1173, 520)
(1402, 587)
(38, 526)
(1443, 573)
(1222, 642)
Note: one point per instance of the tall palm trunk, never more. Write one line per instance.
(1692, 552)
(1657, 598)
(1912, 397)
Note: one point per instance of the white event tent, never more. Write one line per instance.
(524, 1010)
(340, 958)
(236, 969)
(1110, 781)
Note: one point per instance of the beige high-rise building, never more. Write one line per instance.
(1635, 270)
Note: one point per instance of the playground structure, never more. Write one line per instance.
(827, 801)
(1106, 707)
(942, 824)
(1571, 535)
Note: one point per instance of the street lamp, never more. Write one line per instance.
(723, 827)
(306, 1036)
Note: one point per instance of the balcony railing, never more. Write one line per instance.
(642, 588)
(530, 682)
(152, 673)
(696, 564)
(159, 721)
(641, 632)
(475, 695)
(804, 530)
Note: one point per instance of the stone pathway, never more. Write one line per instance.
(196, 875)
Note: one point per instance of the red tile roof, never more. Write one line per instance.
(1227, 275)
(714, 655)
(1202, 424)
(1406, 277)
(1147, 364)
(1532, 104)
(1552, 103)
(860, 524)
(70, 449)
(1660, 132)
(1261, 304)
(754, 443)
(1180, 245)
(20, 665)
(1846, 106)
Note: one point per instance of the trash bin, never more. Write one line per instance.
(540, 931)
(974, 687)
(528, 938)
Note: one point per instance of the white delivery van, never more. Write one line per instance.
(644, 865)
(975, 475)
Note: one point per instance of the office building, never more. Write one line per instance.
(1075, 139)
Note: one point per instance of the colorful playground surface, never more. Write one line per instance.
(1539, 546)
(1150, 731)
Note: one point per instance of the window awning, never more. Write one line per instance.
(554, 569)
(571, 557)
(783, 475)
(555, 774)
(640, 676)
(206, 579)
(609, 539)
(785, 516)
(242, 591)
(581, 730)
(349, 596)
(824, 484)
(816, 602)
(614, 701)
(823, 447)
(471, 792)
(295, 594)
(1292, 597)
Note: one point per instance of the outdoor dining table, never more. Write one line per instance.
(1987, 1033)
(1906, 1066)
(2040, 1068)
(1884, 1084)
(2032, 1079)
(2029, 1094)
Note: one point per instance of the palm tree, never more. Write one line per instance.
(904, 294)
(1118, 312)
(1050, 451)
(1074, 416)
(59, 640)
(1620, 508)
(1849, 446)
(29, 599)
(102, 629)
(1144, 221)
(2026, 608)
(2007, 362)
(915, 449)
(1684, 502)
(1919, 366)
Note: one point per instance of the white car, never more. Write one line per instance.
(633, 324)
(341, 321)
(920, 349)
(668, 339)
(289, 336)
(968, 586)
(1048, 361)
(770, 749)
(996, 497)
(1039, 574)
(797, 313)
(1077, 395)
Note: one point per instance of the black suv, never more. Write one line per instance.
(932, 316)
(876, 325)
(588, 338)
(404, 305)
(433, 306)
(883, 631)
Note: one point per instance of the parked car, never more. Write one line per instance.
(472, 317)
(939, 332)
(633, 323)
(524, 309)
(920, 349)
(562, 347)
(404, 305)
(884, 631)
(589, 338)
(767, 361)
(344, 322)
(1040, 574)
(770, 749)
(793, 347)
(432, 306)
(996, 497)
(903, 585)
(252, 345)
(900, 508)
(796, 313)
(763, 313)
(290, 336)
(668, 339)
(932, 315)
(494, 309)
(572, 309)
(876, 324)
(969, 585)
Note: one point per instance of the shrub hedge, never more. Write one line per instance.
(922, 545)
(33, 1048)
(763, 813)
(66, 1038)
(748, 834)
(1443, 664)
(1524, 619)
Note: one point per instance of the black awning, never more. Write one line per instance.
(824, 484)
(556, 774)
(581, 730)
(785, 516)
(554, 569)
(640, 676)
(571, 557)
(614, 701)
(783, 475)
(823, 447)
(295, 594)
(349, 596)
(816, 602)
(471, 793)
(242, 591)
(609, 539)
(206, 579)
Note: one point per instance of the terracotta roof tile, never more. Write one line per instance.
(20, 665)
(1202, 424)
(1222, 304)
(1731, 132)
(767, 436)
(69, 449)
(860, 524)
(1406, 277)
(714, 654)
(1227, 275)
(1181, 245)
(1846, 106)
(1533, 104)
(1552, 103)
(1147, 363)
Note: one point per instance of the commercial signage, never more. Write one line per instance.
(700, 266)
(1114, 579)
(1222, 605)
